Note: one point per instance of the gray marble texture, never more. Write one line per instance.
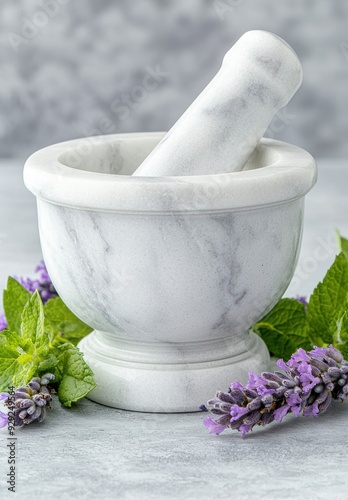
(93, 451)
(222, 127)
(81, 71)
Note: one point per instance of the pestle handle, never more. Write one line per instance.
(222, 127)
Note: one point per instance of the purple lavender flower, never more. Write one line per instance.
(30, 402)
(43, 284)
(3, 416)
(311, 380)
(3, 419)
(3, 322)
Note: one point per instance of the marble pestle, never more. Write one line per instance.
(222, 127)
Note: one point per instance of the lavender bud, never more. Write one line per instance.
(215, 411)
(281, 391)
(42, 415)
(25, 403)
(253, 418)
(35, 386)
(281, 375)
(255, 404)
(325, 404)
(224, 420)
(36, 413)
(226, 407)
(39, 401)
(273, 377)
(319, 364)
(266, 418)
(288, 383)
(29, 419)
(22, 414)
(250, 393)
(319, 388)
(31, 409)
(334, 372)
(213, 402)
(18, 422)
(237, 395)
(335, 354)
(236, 423)
(322, 397)
(22, 389)
(21, 395)
(267, 400)
(272, 385)
(315, 371)
(342, 382)
(47, 378)
(227, 398)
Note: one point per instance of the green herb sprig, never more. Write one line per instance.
(42, 338)
(291, 324)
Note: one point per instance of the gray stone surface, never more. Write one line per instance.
(81, 67)
(91, 451)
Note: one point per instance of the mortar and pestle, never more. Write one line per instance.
(171, 246)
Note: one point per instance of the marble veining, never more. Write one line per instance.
(222, 127)
(170, 281)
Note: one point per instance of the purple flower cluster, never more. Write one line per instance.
(30, 401)
(43, 283)
(309, 383)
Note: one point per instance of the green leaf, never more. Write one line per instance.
(33, 347)
(76, 377)
(21, 353)
(48, 365)
(329, 301)
(340, 336)
(32, 325)
(284, 329)
(343, 244)
(15, 298)
(9, 354)
(66, 324)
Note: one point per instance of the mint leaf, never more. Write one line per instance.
(284, 329)
(9, 354)
(21, 353)
(75, 376)
(48, 365)
(329, 301)
(32, 324)
(340, 336)
(15, 298)
(67, 325)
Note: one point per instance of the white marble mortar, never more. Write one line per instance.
(170, 271)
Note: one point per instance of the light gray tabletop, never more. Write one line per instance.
(91, 451)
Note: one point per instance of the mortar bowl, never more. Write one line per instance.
(171, 272)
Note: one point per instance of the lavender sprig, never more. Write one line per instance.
(43, 284)
(30, 402)
(309, 383)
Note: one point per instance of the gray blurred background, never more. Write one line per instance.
(74, 68)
